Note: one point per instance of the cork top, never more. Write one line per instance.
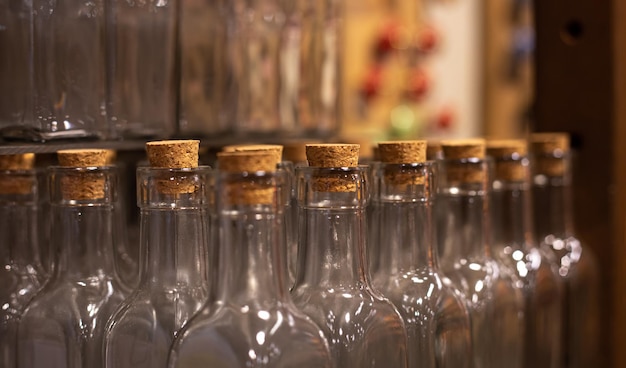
(506, 147)
(248, 191)
(175, 154)
(402, 152)
(25, 161)
(463, 148)
(332, 155)
(111, 156)
(276, 150)
(433, 150)
(548, 143)
(83, 157)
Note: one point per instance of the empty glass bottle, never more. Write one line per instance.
(64, 324)
(514, 245)
(577, 266)
(493, 295)
(173, 277)
(21, 271)
(434, 313)
(254, 322)
(333, 284)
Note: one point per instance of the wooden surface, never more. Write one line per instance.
(575, 93)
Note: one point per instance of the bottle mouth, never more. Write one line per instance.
(333, 188)
(80, 186)
(180, 188)
(403, 183)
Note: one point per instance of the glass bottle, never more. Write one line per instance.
(434, 313)
(21, 273)
(64, 324)
(333, 283)
(173, 276)
(68, 71)
(514, 245)
(492, 294)
(577, 265)
(142, 49)
(253, 322)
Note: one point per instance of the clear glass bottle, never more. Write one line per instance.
(64, 324)
(434, 312)
(21, 273)
(68, 72)
(142, 49)
(514, 246)
(333, 283)
(254, 322)
(173, 276)
(577, 265)
(493, 296)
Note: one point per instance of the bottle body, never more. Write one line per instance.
(64, 324)
(253, 322)
(173, 284)
(333, 286)
(22, 274)
(433, 311)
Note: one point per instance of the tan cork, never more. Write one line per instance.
(277, 150)
(111, 157)
(333, 156)
(16, 183)
(464, 149)
(546, 149)
(174, 154)
(507, 155)
(403, 152)
(248, 191)
(433, 150)
(87, 185)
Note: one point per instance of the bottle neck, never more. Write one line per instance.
(552, 208)
(173, 247)
(251, 267)
(510, 220)
(19, 231)
(84, 241)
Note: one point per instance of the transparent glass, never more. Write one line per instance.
(577, 265)
(64, 324)
(173, 283)
(68, 71)
(21, 273)
(253, 322)
(434, 313)
(534, 266)
(493, 295)
(16, 64)
(142, 42)
(333, 284)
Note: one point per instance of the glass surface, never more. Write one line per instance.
(142, 41)
(333, 284)
(253, 323)
(64, 324)
(21, 273)
(577, 265)
(173, 284)
(493, 294)
(514, 246)
(434, 313)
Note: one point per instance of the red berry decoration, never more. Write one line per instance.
(387, 39)
(427, 39)
(418, 85)
(372, 82)
(445, 118)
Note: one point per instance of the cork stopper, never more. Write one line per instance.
(433, 150)
(248, 191)
(333, 156)
(15, 183)
(176, 154)
(508, 154)
(464, 149)
(548, 150)
(80, 186)
(403, 152)
(276, 150)
(111, 156)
